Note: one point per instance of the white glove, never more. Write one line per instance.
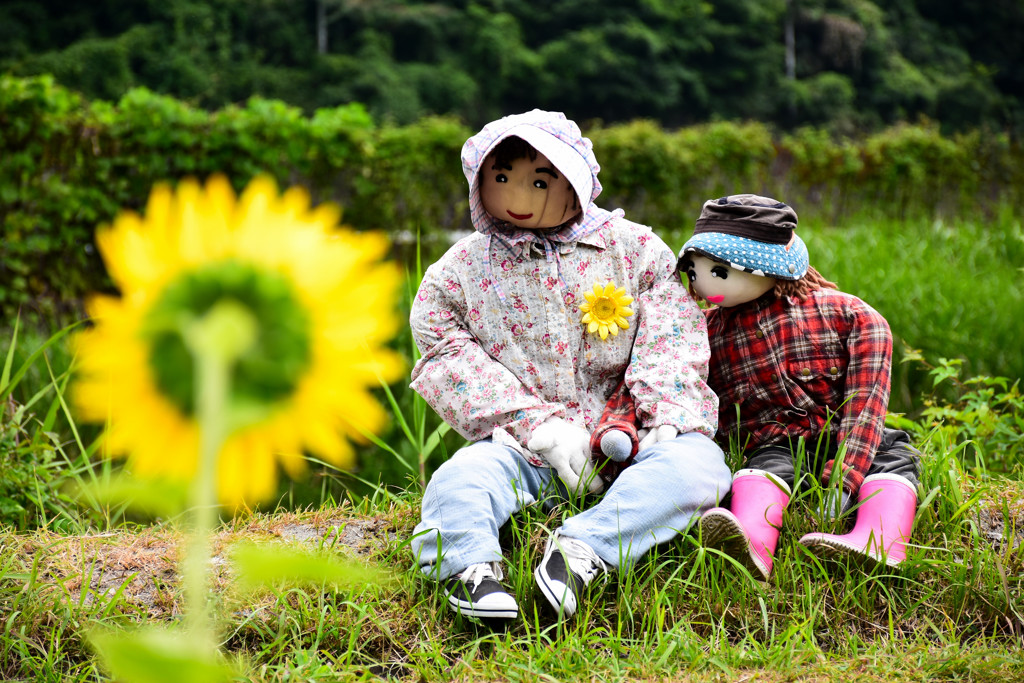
(649, 437)
(566, 448)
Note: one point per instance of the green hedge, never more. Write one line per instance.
(67, 165)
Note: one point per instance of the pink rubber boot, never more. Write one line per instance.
(749, 531)
(885, 519)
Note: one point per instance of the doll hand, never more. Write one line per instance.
(566, 448)
(649, 437)
(834, 504)
(616, 446)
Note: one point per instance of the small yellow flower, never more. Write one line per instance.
(606, 309)
(322, 305)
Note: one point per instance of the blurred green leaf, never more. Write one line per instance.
(264, 565)
(159, 655)
(159, 498)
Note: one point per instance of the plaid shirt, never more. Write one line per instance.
(794, 368)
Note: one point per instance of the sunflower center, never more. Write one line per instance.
(268, 371)
(604, 308)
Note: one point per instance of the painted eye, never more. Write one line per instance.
(692, 275)
(501, 178)
(720, 272)
(540, 184)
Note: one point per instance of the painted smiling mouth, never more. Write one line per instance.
(716, 299)
(520, 217)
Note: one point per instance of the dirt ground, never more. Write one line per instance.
(142, 565)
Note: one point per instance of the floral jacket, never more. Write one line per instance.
(500, 369)
(498, 325)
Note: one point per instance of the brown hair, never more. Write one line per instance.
(802, 288)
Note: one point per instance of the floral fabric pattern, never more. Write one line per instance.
(499, 367)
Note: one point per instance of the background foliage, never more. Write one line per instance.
(896, 136)
(68, 164)
(851, 64)
(924, 226)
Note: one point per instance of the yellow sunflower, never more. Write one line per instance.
(606, 309)
(322, 306)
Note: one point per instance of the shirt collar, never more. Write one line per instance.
(595, 239)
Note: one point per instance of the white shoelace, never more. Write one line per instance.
(480, 572)
(581, 558)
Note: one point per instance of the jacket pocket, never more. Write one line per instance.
(822, 380)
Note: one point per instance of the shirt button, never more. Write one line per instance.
(775, 377)
(806, 372)
(759, 334)
(833, 370)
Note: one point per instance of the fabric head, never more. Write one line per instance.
(560, 140)
(557, 138)
(751, 233)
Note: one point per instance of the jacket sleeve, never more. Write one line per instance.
(868, 378)
(668, 369)
(471, 391)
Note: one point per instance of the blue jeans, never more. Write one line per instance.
(481, 486)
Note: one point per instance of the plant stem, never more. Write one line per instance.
(216, 341)
(213, 389)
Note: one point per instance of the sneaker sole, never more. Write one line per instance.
(475, 609)
(548, 587)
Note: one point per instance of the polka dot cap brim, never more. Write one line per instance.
(780, 261)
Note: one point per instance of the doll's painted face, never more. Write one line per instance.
(721, 284)
(528, 193)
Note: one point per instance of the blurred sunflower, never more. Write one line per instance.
(321, 305)
(606, 309)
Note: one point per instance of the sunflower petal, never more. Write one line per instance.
(348, 294)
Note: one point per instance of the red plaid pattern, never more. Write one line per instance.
(619, 413)
(794, 368)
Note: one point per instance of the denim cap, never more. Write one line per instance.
(751, 233)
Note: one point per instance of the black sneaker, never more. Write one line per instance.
(476, 593)
(565, 570)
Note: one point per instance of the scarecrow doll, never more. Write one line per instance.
(802, 372)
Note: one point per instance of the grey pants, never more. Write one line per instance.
(895, 455)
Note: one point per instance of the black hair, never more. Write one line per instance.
(512, 148)
(798, 289)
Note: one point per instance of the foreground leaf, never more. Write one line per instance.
(159, 655)
(265, 565)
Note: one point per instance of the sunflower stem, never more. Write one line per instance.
(215, 341)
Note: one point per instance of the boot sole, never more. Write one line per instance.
(832, 550)
(724, 532)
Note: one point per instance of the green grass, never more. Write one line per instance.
(953, 611)
(952, 290)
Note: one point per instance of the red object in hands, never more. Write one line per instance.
(620, 415)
